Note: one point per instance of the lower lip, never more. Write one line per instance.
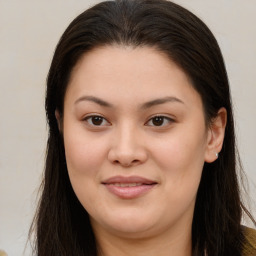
(129, 192)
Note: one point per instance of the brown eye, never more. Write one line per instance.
(96, 121)
(159, 121)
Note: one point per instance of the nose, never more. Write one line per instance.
(127, 148)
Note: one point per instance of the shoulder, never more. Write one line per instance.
(250, 242)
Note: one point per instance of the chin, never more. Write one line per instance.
(131, 231)
(129, 225)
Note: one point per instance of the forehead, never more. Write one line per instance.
(120, 73)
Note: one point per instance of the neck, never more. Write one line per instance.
(175, 244)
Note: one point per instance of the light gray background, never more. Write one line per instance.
(29, 31)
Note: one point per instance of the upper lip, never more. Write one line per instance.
(127, 180)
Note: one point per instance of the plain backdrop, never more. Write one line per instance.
(29, 31)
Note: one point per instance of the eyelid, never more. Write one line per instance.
(85, 118)
(166, 117)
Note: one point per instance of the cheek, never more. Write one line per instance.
(180, 153)
(181, 159)
(181, 172)
(84, 155)
(84, 160)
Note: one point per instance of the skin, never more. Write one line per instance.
(128, 142)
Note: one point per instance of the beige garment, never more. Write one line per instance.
(250, 242)
(2, 253)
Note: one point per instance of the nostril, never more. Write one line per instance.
(126, 164)
(126, 158)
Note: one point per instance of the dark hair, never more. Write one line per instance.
(62, 224)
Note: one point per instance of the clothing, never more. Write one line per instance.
(250, 242)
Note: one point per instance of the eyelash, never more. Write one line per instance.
(95, 116)
(164, 118)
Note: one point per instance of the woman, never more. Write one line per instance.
(141, 155)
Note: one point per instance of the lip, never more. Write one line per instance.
(129, 187)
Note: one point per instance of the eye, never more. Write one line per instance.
(159, 121)
(96, 121)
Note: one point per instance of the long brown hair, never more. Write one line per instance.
(62, 224)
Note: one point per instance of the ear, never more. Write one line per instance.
(215, 136)
(59, 119)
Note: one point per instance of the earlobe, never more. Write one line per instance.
(216, 135)
(58, 118)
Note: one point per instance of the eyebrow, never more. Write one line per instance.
(145, 105)
(95, 100)
(160, 101)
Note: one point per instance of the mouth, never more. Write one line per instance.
(124, 185)
(129, 187)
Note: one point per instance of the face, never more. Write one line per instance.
(135, 141)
